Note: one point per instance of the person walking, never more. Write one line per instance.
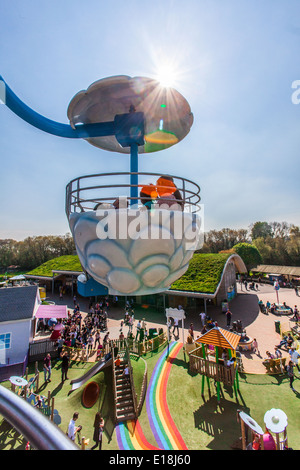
(290, 373)
(294, 357)
(98, 431)
(47, 368)
(255, 346)
(64, 366)
(176, 326)
(72, 428)
(90, 343)
(228, 317)
(97, 338)
(296, 314)
(202, 317)
(138, 330)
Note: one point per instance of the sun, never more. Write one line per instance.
(167, 75)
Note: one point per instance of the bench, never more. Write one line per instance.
(274, 366)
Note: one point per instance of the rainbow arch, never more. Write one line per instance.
(130, 435)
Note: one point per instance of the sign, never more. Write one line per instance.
(175, 313)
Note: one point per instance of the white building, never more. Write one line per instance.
(18, 306)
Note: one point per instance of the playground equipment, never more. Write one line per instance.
(90, 394)
(206, 359)
(100, 365)
(275, 421)
(124, 244)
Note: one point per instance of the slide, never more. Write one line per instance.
(76, 383)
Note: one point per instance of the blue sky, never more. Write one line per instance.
(235, 62)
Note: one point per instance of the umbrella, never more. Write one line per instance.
(251, 423)
(20, 277)
(275, 420)
(19, 381)
(52, 321)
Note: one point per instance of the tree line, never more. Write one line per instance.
(278, 243)
(34, 251)
(275, 243)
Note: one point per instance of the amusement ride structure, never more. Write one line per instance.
(134, 232)
(132, 237)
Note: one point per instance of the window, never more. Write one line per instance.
(5, 341)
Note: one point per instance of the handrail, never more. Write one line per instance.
(28, 421)
(75, 192)
(131, 380)
(114, 377)
(143, 389)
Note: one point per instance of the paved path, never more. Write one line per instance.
(244, 307)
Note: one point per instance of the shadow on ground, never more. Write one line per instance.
(223, 432)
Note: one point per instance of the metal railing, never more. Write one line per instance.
(32, 424)
(85, 192)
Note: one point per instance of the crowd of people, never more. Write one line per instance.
(83, 332)
(273, 308)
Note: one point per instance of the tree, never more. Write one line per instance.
(34, 251)
(8, 254)
(265, 250)
(218, 240)
(249, 254)
(260, 230)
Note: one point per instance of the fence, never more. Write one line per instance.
(39, 349)
(8, 370)
(147, 346)
(212, 369)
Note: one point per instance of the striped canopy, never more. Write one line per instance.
(52, 311)
(220, 337)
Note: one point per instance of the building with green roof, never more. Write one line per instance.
(209, 276)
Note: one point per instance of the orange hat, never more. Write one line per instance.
(164, 186)
(150, 190)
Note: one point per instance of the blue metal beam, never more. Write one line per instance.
(83, 131)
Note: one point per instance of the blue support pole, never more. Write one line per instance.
(134, 190)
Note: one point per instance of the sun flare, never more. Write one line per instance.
(166, 76)
(167, 73)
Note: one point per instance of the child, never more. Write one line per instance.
(255, 346)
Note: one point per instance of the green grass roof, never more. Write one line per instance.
(62, 263)
(204, 273)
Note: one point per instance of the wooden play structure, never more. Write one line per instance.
(28, 389)
(214, 357)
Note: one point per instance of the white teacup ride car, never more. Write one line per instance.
(130, 248)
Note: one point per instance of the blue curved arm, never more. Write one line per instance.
(84, 131)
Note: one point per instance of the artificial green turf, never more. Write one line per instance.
(206, 425)
(202, 422)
